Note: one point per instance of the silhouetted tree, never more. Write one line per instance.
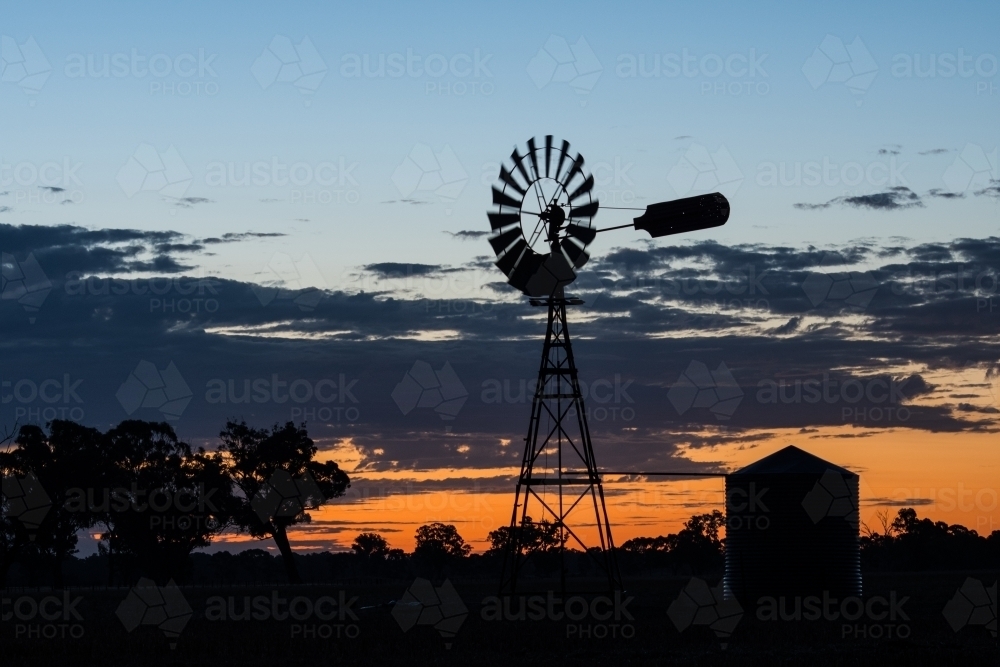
(158, 500)
(696, 547)
(911, 543)
(254, 456)
(437, 545)
(533, 537)
(60, 460)
(370, 547)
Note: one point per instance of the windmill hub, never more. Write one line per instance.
(553, 216)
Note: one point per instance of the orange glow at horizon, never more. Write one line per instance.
(955, 478)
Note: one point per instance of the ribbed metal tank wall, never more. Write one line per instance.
(792, 528)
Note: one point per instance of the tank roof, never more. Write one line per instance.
(790, 461)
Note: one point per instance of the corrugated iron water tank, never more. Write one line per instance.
(792, 528)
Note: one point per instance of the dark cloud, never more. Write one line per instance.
(5, 209)
(991, 190)
(179, 247)
(189, 202)
(934, 151)
(888, 151)
(650, 312)
(52, 188)
(789, 326)
(937, 192)
(397, 270)
(968, 407)
(233, 237)
(894, 198)
(415, 202)
(468, 235)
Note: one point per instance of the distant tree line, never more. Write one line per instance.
(908, 543)
(152, 501)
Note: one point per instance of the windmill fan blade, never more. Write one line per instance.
(584, 235)
(505, 239)
(506, 177)
(507, 262)
(532, 156)
(548, 153)
(517, 158)
(499, 197)
(684, 215)
(500, 220)
(585, 211)
(577, 255)
(584, 188)
(529, 265)
(577, 168)
(562, 158)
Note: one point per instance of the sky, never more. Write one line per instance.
(293, 197)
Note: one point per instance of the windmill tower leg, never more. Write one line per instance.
(558, 472)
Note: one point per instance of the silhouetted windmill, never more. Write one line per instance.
(542, 226)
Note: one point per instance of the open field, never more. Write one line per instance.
(365, 631)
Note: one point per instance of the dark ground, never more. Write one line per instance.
(652, 636)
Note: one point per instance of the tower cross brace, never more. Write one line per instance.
(558, 454)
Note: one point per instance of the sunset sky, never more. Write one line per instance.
(280, 199)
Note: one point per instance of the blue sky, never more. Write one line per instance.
(766, 117)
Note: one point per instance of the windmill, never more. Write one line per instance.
(541, 227)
